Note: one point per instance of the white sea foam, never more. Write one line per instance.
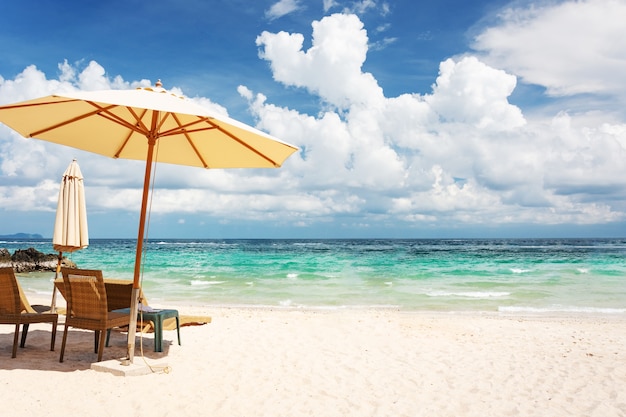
(561, 309)
(469, 294)
(583, 270)
(289, 304)
(292, 275)
(519, 270)
(201, 283)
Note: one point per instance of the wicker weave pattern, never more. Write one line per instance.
(86, 297)
(119, 292)
(13, 310)
(87, 305)
(9, 297)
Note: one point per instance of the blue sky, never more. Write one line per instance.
(414, 118)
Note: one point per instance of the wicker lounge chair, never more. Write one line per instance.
(15, 309)
(87, 306)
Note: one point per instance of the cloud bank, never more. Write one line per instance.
(460, 155)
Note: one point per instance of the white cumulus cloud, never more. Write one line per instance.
(282, 8)
(570, 47)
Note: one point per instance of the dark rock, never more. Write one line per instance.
(30, 260)
(31, 255)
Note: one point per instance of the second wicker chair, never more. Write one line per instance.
(87, 306)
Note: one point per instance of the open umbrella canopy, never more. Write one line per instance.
(120, 124)
(70, 226)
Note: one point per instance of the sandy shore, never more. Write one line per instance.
(261, 362)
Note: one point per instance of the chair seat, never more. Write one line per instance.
(29, 318)
(114, 319)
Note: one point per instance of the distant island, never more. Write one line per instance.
(22, 236)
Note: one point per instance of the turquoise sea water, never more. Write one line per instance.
(516, 275)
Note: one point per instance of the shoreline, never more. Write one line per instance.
(199, 307)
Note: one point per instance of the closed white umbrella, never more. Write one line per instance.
(70, 227)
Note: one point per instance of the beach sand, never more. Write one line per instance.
(280, 362)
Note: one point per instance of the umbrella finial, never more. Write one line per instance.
(158, 83)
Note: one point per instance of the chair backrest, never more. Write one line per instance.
(9, 293)
(119, 293)
(86, 294)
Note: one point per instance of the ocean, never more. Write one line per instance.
(450, 275)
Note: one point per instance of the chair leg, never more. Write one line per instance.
(63, 343)
(101, 345)
(96, 337)
(158, 333)
(54, 335)
(24, 334)
(15, 338)
(178, 328)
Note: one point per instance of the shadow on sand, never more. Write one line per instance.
(79, 349)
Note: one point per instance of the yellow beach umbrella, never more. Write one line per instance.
(130, 124)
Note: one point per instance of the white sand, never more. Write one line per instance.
(261, 362)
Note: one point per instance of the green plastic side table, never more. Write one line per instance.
(156, 316)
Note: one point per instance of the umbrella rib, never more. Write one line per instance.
(45, 103)
(242, 143)
(105, 112)
(193, 146)
(72, 120)
(184, 128)
(177, 131)
(138, 118)
(132, 129)
(163, 121)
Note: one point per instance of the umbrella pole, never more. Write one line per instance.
(132, 327)
(53, 303)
